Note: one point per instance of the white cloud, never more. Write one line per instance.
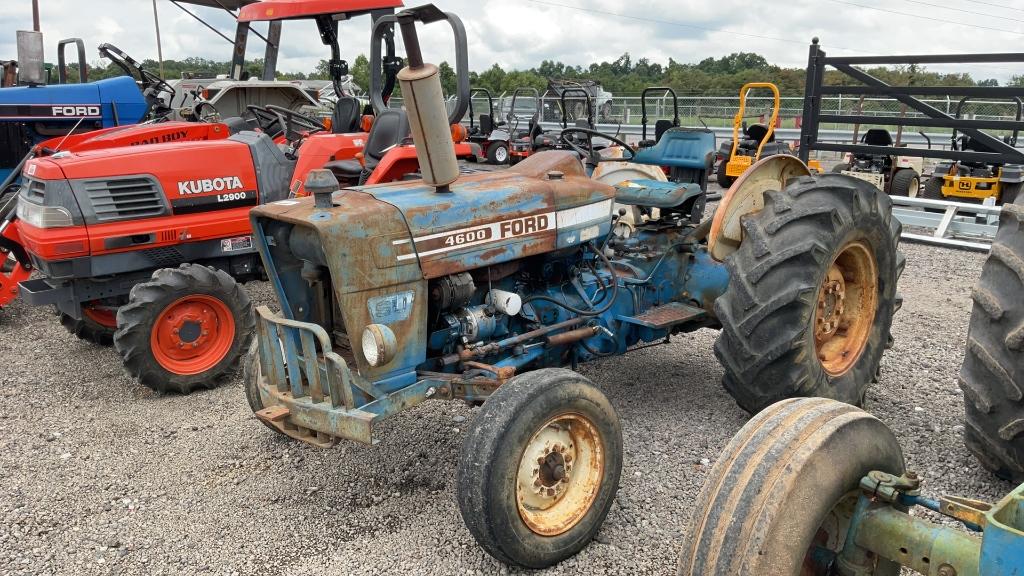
(521, 33)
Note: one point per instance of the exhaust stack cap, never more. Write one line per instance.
(322, 184)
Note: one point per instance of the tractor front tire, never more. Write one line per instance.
(97, 325)
(905, 182)
(992, 375)
(811, 294)
(185, 329)
(539, 468)
(785, 486)
(723, 179)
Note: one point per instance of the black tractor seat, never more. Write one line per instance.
(390, 128)
(346, 117)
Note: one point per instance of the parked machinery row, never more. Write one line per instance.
(400, 279)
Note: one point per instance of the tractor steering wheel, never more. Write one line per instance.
(152, 85)
(589, 154)
(267, 121)
(290, 119)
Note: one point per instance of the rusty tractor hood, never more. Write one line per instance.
(381, 244)
(543, 204)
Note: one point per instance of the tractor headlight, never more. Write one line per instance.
(379, 345)
(44, 216)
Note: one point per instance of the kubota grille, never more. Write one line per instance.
(125, 198)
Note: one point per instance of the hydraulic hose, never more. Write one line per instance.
(588, 313)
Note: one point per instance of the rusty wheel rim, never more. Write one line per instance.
(829, 539)
(846, 307)
(560, 474)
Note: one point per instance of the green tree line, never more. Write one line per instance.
(623, 76)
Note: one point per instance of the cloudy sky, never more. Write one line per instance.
(521, 33)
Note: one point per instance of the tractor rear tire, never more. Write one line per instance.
(838, 168)
(187, 328)
(782, 487)
(724, 180)
(95, 326)
(992, 375)
(811, 294)
(537, 513)
(905, 182)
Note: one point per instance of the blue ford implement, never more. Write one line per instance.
(487, 287)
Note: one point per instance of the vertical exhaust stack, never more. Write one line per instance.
(424, 102)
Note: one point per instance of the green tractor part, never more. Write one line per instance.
(816, 487)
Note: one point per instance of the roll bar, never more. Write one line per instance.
(385, 26)
(643, 107)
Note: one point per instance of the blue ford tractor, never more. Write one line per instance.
(32, 110)
(490, 287)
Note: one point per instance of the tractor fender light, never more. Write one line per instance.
(379, 345)
(44, 216)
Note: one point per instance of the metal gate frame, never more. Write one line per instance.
(934, 118)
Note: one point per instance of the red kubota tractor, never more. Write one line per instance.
(142, 246)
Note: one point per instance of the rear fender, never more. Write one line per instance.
(746, 196)
(319, 149)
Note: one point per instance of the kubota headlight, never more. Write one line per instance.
(44, 216)
(379, 344)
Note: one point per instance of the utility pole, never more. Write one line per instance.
(35, 15)
(159, 48)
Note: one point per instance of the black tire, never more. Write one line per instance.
(933, 189)
(250, 371)
(490, 459)
(7, 202)
(498, 154)
(992, 375)
(767, 344)
(756, 514)
(721, 177)
(839, 168)
(88, 330)
(1009, 194)
(147, 303)
(905, 182)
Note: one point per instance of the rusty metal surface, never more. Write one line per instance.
(663, 317)
(746, 196)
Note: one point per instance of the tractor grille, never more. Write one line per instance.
(34, 191)
(125, 198)
(165, 257)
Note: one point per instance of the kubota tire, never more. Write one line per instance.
(97, 325)
(992, 375)
(724, 180)
(783, 487)
(539, 468)
(905, 182)
(811, 294)
(187, 328)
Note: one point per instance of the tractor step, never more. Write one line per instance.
(666, 316)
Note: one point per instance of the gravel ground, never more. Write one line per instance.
(98, 475)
